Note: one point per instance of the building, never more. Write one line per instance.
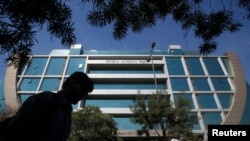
(215, 84)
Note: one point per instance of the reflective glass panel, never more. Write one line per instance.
(212, 118)
(75, 64)
(213, 66)
(200, 84)
(56, 66)
(194, 66)
(179, 84)
(29, 84)
(221, 84)
(206, 101)
(37, 66)
(175, 66)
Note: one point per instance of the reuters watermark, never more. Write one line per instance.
(228, 132)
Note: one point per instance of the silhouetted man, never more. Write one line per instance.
(47, 116)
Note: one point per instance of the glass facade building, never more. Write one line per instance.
(215, 84)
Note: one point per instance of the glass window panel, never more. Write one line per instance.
(37, 66)
(56, 66)
(225, 100)
(194, 66)
(221, 84)
(129, 70)
(75, 51)
(175, 66)
(74, 106)
(128, 85)
(124, 123)
(213, 66)
(23, 97)
(186, 96)
(227, 65)
(212, 118)
(196, 126)
(29, 84)
(179, 84)
(124, 52)
(75, 64)
(206, 101)
(200, 84)
(110, 103)
(50, 84)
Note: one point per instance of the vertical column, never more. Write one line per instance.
(10, 91)
(239, 98)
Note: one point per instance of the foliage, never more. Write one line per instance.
(182, 121)
(156, 112)
(137, 15)
(90, 124)
(20, 20)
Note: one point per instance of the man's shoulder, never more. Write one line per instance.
(45, 94)
(42, 97)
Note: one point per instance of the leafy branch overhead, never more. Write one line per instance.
(137, 15)
(21, 20)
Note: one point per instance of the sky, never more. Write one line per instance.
(165, 33)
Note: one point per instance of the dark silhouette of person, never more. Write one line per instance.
(46, 116)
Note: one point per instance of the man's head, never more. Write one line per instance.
(77, 86)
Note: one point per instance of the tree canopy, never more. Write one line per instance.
(91, 124)
(20, 20)
(156, 112)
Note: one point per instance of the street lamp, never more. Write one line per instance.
(148, 60)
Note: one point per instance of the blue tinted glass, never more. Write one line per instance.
(128, 86)
(110, 103)
(175, 66)
(179, 84)
(29, 84)
(2, 102)
(56, 66)
(194, 66)
(125, 52)
(124, 71)
(196, 126)
(75, 106)
(50, 84)
(37, 66)
(175, 51)
(200, 84)
(124, 123)
(225, 100)
(186, 96)
(206, 101)
(246, 115)
(212, 118)
(23, 97)
(221, 84)
(213, 66)
(227, 65)
(75, 64)
(75, 51)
